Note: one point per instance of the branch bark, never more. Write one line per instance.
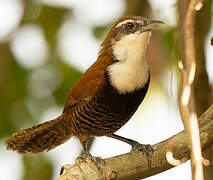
(134, 165)
(186, 99)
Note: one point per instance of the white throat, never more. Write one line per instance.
(131, 72)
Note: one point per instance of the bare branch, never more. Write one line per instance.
(186, 100)
(134, 165)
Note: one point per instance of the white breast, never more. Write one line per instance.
(131, 71)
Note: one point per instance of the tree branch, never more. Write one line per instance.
(134, 165)
(186, 99)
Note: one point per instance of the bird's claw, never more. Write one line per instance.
(65, 167)
(146, 148)
(98, 161)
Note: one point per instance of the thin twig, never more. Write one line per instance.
(186, 99)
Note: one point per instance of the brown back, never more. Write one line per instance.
(89, 83)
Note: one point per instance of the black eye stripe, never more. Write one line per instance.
(130, 27)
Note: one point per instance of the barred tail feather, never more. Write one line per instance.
(42, 137)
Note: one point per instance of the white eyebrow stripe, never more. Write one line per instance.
(126, 21)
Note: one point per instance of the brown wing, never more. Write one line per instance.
(89, 83)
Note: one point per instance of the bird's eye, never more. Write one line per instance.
(129, 26)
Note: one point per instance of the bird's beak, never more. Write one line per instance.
(153, 25)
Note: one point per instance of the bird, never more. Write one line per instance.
(104, 98)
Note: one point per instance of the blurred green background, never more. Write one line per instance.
(42, 54)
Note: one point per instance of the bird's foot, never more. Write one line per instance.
(98, 161)
(65, 167)
(146, 148)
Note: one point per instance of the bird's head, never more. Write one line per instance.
(128, 30)
(126, 43)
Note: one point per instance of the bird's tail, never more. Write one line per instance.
(42, 137)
